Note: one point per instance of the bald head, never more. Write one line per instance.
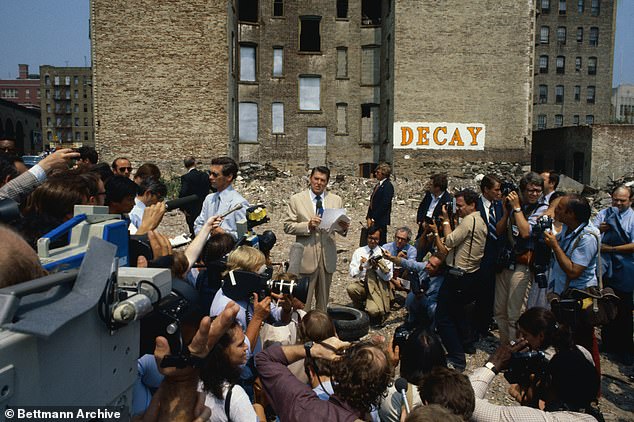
(19, 262)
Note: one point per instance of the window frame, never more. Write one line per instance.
(544, 30)
(281, 74)
(302, 20)
(241, 121)
(243, 46)
(299, 94)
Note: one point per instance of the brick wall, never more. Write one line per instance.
(161, 86)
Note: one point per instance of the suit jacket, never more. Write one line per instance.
(492, 247)
(316, 243)
(20, 187)
(381, 206)
(194, 182)
(424, 207)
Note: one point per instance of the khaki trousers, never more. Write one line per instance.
(319, 287)
(376, 295)
(511, 294)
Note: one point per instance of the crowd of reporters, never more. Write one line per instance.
(478, 259)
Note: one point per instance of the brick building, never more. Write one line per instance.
(66, 105)
(303, 83)
(574, 54)
(592, 155)
(25, 90)
(21, 124)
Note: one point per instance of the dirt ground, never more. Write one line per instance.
(617, 402)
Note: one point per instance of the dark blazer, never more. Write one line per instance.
(492, 247)
(424, 206)
(194, 182)
(381, 205)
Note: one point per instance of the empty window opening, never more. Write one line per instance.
(342, 9)
(248, 11)
(309, 38)
(370, 12)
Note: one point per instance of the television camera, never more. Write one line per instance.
(526, 367)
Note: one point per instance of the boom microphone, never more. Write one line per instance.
(295, 258)
(401, 386)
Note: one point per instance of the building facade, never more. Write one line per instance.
(25, 90)
(623, 103)
(66, 106)
(21, 124)
(574, 54)
(299, 84)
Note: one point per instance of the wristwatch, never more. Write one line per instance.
(518, 209)
(491, 366)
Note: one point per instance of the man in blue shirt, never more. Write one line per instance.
(616, 225)
(575, 250)
(224, 171)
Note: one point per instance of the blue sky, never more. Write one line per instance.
(55, 32)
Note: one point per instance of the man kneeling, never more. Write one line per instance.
(371, 288)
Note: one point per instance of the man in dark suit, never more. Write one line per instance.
(495, 214)
(430, 209)
(194, 182)
(380, 206)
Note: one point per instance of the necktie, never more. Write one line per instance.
(319, 206)
(216, 205)
(491, 224)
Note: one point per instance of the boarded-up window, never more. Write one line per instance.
(369, 123)
(309, 90)
(342, 118)
(278, 61)
(247, 63)
(248, 122)
(316, 136)
(277, 112)
(370, 65)
(342, 62)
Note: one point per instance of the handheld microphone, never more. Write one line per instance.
(230, 210)
(295, 258)
(179, 202)
(401, 386)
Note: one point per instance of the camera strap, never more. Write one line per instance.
(228, 403)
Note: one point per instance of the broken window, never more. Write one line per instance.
(370, 65)
(309, 93)
(278, 7)
(277, 116)
(577, 64)
(247, 63)
(309, 38)
(369, 123)
(370, 12)
(342, 62)
(248, 11)
(248, 122)
(342, 9)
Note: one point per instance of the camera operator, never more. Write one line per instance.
(616, 225)
(574, 267)
(151, 192)
(418, 351)
(464, 247)
(360, 375)
(422, 298)
(400, 247)
(511, 288)
(568, 390)
(370, 290)
(429, 210)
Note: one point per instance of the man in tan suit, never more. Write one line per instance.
(320, 250)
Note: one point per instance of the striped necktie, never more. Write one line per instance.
(491, 223)
(319, 206)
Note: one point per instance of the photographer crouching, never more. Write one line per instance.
(575, 249)
(464, 247)
(553, 379)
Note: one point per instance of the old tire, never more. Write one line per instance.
(351, 324)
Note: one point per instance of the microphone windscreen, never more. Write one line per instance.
(401, 384)
(295, 258)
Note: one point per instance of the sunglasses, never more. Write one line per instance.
(122, 169)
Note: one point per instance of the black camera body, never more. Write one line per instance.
(507, 187)
(544, 224)
(525, 364)
(401, 335)
(240, 285)
(542, 252)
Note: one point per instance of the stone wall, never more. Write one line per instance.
(161, 85)
(612, 152)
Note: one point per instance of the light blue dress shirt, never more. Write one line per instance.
(581, 246)
(219, 202)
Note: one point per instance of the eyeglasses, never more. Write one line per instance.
(123, 169)
(214, 174)
(535, 191)
(404, 239)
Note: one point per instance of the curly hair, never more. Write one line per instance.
(362, 376)
(217, 370)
